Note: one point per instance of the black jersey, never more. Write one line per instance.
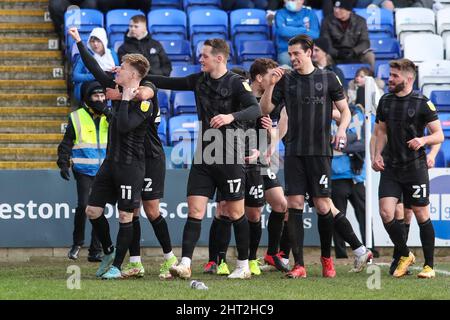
(230, 94)
(406, 118)
(152, 143)
(309, 104)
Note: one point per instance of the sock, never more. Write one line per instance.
(242, 264)
(162, 233)
(345, 230)
(397, 235)
(135, 259)
(285, 244)
(396, 254)
(135, 246)
(360, 251)
(407, 226)
(168, 255)
(185, 261)
(255, 229)
(101, 228)
(241, 234)
(212, 244)
(296, 234)
(427, 239)
(274, 229)
(223, 236)
(325, 226)
(191, 234)
(124, 238)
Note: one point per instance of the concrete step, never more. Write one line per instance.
(31, 72)
(22, 28)
(30, 165)
(31, 86)
(34, 113)
(33, 99)
(30, 137)
(29, 145)
(27, 43)
(28, 154)
(32, 126)
(23, 16)
(31, 55)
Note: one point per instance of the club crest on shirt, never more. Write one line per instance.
(319, 86)
(246, 86)
(431, 106)
(145, 105)
(411, 112)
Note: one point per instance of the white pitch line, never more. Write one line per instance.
(384, 264)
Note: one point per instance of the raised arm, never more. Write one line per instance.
(181, 83)
(266, 99)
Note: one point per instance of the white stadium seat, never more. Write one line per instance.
(443, 23)
(447, 48)
(423, 46)
(434, 75)
(414, 20)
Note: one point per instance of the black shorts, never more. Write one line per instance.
(310, 174)
(270, 179)
(117, 182)
(155, 174)
(228, 179)
(412, 182)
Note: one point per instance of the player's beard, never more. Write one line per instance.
(396, 89)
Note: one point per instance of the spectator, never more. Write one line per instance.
(325, 5)
(57, 8)
(323, 60)
(348, 35)
(292, 20)
(106, 5)
(229, 5)
(138, 40)
(392, 4)
(106, 58)
(356, 92)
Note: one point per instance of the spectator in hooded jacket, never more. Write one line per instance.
(138, 40)
(106, 58)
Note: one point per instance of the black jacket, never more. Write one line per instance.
(151, 49)
(356, 36)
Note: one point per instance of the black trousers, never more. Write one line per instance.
(342, 191)
(84, 183)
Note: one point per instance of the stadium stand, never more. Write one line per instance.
(415, 50)
(409, 20)
(167, 24)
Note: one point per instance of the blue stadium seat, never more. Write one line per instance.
(117, 43)
(380, 22)
(181, 127)
(191, 5)
(162, 131)
(117, 20)
(207, 23)
(159, 4)
(248, 24)
(198, 51)
(385, 48)
(349, 70)
(383, 72)
(167, 22)
(441, 99)
(85, 20)
(251, 50)
(440, 161)
(184, 102)
(319, 14)
(444, 117)
(177, 50)
(246, 65)
(183, 71)
(163, 101)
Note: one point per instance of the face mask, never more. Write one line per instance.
(97, 106)
(292, 6)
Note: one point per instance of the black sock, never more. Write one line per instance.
(135, 246)
(101, 228)
(296, 234)
(223, 237)
(124, 238)
(427, 239)
(191, 234)
(255, 237)
(345, 230)
(212, 244)
(397, 235)
(162, 233)
(325, 226)
(274, 229)
(407, 226)
(242, 237)
(396, 254)
(285, 244)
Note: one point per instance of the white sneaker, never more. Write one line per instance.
(361, 261)
(180, 271)
(241, 273)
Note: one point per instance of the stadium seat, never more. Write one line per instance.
(443, 23)
(409, 20)
(444, 117)
(159, 4)
(440, 161)
(190, 5)
(441, 100)
(198, 51)
(117, 20)
(181, 127)
(319, 14)
(246, 65)
(349, 70)
(163, 101)
(251, 50)
(85, 20)
(248, 24)
(162, 131)
(383, 72)
(207, 23)
(167, 22)
(447, 48)
(420, 47)
(177, 50)
(117, 44)
(183, 71)
(380, 22)
(434, 75)
(184, 102)
(385, 48)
